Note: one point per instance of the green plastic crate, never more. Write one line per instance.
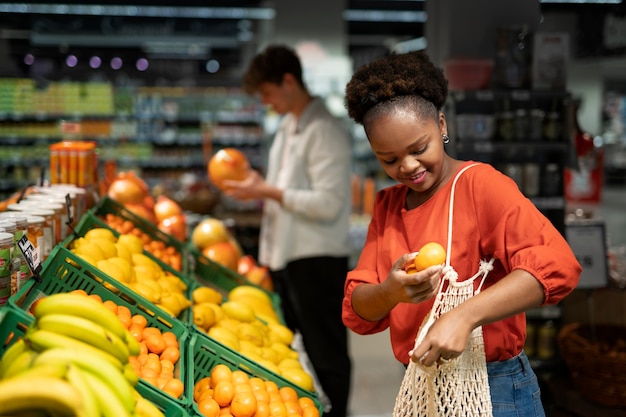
(64, 272)
(89, 221)
(205, 353)
(211, 274)
(13, 325)
(162, 401)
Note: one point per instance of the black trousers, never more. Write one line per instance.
(311, 292)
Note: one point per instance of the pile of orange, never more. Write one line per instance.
(234, 393)
(167, 254)
(159, 351)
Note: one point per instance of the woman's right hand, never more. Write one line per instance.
(405, 287)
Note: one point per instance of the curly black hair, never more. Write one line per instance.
(394, 77)
(270, 66)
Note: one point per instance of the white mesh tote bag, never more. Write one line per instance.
(459, 387)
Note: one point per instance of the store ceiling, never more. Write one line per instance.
(199, 30)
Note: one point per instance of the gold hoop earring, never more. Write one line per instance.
(446, 138)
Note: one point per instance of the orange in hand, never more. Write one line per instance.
(430, 254)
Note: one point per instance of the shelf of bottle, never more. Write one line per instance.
(490, 146)
(215, 116)
(185, 139)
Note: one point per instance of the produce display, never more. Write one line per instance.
(72, 361)
(123, 259)
(127, 318)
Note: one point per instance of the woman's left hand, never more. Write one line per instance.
(445, 340)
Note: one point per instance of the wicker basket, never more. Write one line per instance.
(596, 359)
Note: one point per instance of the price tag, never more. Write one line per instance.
(70, 209)
(588, 243)
(71, 128)
(31, 254)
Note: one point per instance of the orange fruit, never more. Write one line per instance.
(110, 305)
(261, 395)
(306, 402)
(278, 409)
(220, 372)
(243, 404)
(170, 353)
(143, 349)
(148, 372)
(239, 376)
(170, 339)
(139, 321)
(155, 343)
(167, 366)
(256, 383)
(174, 387)
(262, 409)
(136, 332)
(310, 412)
(95, 297)
(124, 311)
(208, 407)
(125, 320)
(223, 392)
(293, 408)
(288, 394)
(200, 386)
(207, 393)
(430, 254)
(271, 386)
(79, 292)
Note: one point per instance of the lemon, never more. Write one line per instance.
(184, 302)
(251, 333)
(167, 285)
(171, 304)
(90, 250)
(289, 363)
(123, 252)
(143, 272)
(100, 233)
(219, 314)
(269, 365)
(132, 242)
(125, 266)
(248, 346)
(249, 291)
(176, 280)
(299, 377)
(239, 311)
(112, 270)
(108, 248)
(203, 316)
(206, 294)
(224, 336)
(141, 259)
(253, 356)
(86, 258)
(280, 333)
(145, 291)
(228, 323)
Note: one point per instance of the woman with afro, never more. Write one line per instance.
(475, 212)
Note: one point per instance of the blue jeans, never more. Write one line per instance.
(514, 388)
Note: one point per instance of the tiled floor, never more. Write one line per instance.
(376, 376)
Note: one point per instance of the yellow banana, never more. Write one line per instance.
(10, 354)
(97, 366)
(130, 374)
(55, 395)
(21, 363)
(78, 305)
(76, 377)
(110, 404)
(146, 408)
(85, 331)
(41, 340)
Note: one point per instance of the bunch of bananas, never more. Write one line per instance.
(72, 361)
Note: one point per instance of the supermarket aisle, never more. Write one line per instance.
(376, 376)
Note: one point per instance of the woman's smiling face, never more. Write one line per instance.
(410, 148)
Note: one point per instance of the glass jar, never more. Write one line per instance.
(6, 270)
(36, 237)
(48, 226)
(58, 205)
(21, 267)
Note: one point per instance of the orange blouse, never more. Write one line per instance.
(491, 218)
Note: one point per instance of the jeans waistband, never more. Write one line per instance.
(516, 364)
